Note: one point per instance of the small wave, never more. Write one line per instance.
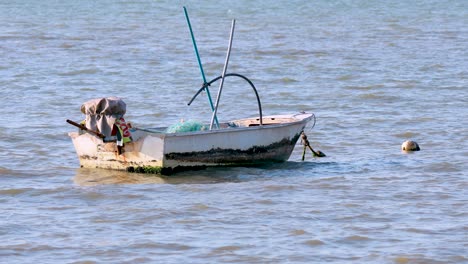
(431, 68)
(314, 242)
(406, 135)
(446, 167)
(296, 52)
(188, 221)
(279, 187)
(226, 248)
(346, 77)
(264, 202)
(30, 247)
(365, 87)
(79, 72)
(5, 171)
(168, 246)
(417, 258)
(9, 172)
(279, 36)
(67, 46)
(351, 205)
(200, 207)
(91, 262)
(21, 75)
(319, 54)
(356, 238)
(379, 97)
(88, 89)
(288, 80)
(14, 192)
(298, 232)
(419, 230)
(266, 52)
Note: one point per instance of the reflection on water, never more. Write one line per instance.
(92, 177)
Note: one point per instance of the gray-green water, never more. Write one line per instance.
(375, 73)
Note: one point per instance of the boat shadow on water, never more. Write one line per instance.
(212, 175)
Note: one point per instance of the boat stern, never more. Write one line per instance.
(142, 155)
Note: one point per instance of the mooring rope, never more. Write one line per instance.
(306, 143)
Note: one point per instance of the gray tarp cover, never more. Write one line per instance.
(101, 113)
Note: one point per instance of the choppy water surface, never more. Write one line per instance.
(374, 72)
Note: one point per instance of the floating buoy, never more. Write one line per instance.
(410, 145)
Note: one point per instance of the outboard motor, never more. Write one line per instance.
(105, 115)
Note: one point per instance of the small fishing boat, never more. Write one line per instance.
(243, 142)
(106, 140)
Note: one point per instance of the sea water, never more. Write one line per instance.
(375, 73)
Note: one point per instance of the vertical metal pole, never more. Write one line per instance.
(223, 74)
(200, 64)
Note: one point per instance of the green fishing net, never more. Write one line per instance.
(186, 126)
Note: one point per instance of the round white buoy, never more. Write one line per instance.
(410, 145)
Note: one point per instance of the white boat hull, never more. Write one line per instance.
(152, 150)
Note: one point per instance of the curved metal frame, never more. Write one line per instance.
(205, 85)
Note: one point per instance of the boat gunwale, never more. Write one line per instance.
(232, 129)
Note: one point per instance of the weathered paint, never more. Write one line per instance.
(158, 152)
